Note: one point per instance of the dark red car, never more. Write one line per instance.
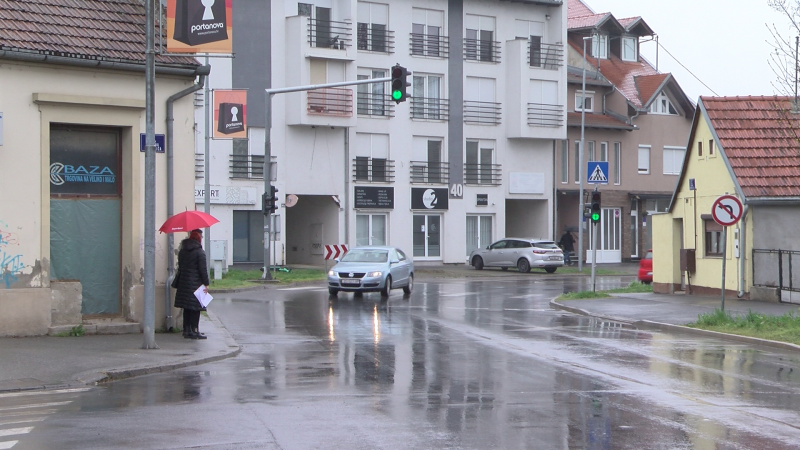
(646, 268)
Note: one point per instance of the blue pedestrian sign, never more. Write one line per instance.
(160, 142)
(597, 172)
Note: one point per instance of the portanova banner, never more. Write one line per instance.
(230, 114)
(199, 26)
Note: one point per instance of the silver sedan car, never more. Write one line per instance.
(372, 269)
(522, 253)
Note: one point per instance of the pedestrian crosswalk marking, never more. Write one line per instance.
(38, 405)
(13, 431)
(18, 421)
(8, 444)
(45, 392)
(598, 175)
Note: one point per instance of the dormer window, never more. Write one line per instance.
(662, 105)
(629, 45)
(600, 46)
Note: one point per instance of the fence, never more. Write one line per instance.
(776, 268)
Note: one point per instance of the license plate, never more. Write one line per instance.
(555, 258)
(350, 281)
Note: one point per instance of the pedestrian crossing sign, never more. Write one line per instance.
(597, 172)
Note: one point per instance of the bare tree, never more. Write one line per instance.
(783, 56)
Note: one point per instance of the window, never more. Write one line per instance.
(371, 97)
(583, 101)
(372, 29)
(480, 38)
(710, 147)
(479, 101)
(713, 237)
(543, 108)
(617, 163)
(577, 161)
(479, 232)
(426, 96)
(673, 160)
(629, 45)
(321, 23)
(533, 32)
(590, 151)
(600, 46)
(427, 165)
(371, 157)
(603, 151)
(426, 32)
(662, 105)
(370, 229)
(699, 148)
(479, 162)
(564, 162)
(304, 9)
(644, 159)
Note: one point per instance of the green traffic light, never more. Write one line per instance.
(595, 217)
(396, 95)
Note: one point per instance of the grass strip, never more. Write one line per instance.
(634, 287)
(236, 278)
(785, 328)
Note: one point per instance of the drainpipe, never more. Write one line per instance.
(202, 72)
(741, 250)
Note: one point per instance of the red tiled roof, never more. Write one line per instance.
(760, 138)
(84, 29)
(578, 8)
(648, 85)
(596, 121)
(589, 21)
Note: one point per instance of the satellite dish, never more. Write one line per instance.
(290, 201)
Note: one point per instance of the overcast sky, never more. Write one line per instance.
(723, 42)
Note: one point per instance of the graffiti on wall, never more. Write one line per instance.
(10, 258)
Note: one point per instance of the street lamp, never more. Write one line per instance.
(580, 161)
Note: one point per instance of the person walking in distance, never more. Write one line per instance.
(193, 273)
(567, 244)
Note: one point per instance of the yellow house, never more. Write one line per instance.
(746, 147)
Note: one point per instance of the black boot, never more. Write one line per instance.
(197, 335)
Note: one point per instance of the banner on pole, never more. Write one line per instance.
(230, 114)
(199, 26)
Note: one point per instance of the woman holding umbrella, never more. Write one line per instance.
(192, 273)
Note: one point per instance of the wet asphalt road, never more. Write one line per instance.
(472, 364)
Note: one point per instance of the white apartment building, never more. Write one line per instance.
(465, 161)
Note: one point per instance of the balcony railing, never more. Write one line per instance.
(429, 108)
(199, 165)
(370, 104)
(247, 166)
(545, 56)
(430, 172)
(373, 170)
(329, 34)
(483, 174)
(481, 50)
(430, 45)
(541, 115)
(374, 37)
(331, 102)
(482, 113)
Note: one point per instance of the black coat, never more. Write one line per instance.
(193, 273)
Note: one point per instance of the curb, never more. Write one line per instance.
(660, 326)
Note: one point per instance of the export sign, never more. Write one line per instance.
(199, 26)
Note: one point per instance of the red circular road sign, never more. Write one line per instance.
(726, 210)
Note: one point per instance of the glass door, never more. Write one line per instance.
(427, 236)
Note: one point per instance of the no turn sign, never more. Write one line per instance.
(726, 210)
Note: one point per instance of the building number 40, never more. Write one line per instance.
(456, 190)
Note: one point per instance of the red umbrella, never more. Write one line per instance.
(188, 221)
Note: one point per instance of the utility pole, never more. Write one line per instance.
(149, 310)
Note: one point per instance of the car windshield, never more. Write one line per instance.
(545, 244)
(366, 256)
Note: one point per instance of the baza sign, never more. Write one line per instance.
(66, 173)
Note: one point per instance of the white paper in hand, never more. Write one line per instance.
(203, 297)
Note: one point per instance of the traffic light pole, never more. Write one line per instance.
(268, 151)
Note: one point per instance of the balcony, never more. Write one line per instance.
(482, 113)
(373, 170)
(481, 50)
(247, 167)
(330, 102)
(329, 34)
(430, 108)
(483, 174)
(429, 172)
(373, 37)
(377, 105)
(540, 115)
(545, 56)
(429, 45)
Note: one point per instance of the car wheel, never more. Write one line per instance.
(477, 263)
(504, 268)
(387, 287)
(523, 265)
(550, 269)
(333, 292)
(410, 286)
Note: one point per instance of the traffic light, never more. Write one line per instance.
(595, 206)
(269, 201)
(399, 83)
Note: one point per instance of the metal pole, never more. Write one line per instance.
(581, 205)
(148, 312)
(724, 251)
(207, 176)
(594, 254)
(267, 175)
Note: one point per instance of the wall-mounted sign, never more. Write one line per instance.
(429, 198)
(227, 195)
(482, 200)
(374, 197)
(160, 142)
(84, 161)
(199, 26)
(230, 113)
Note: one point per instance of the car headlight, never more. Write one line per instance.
(374, 274)
(331, 273)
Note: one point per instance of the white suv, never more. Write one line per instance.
(522, 253)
